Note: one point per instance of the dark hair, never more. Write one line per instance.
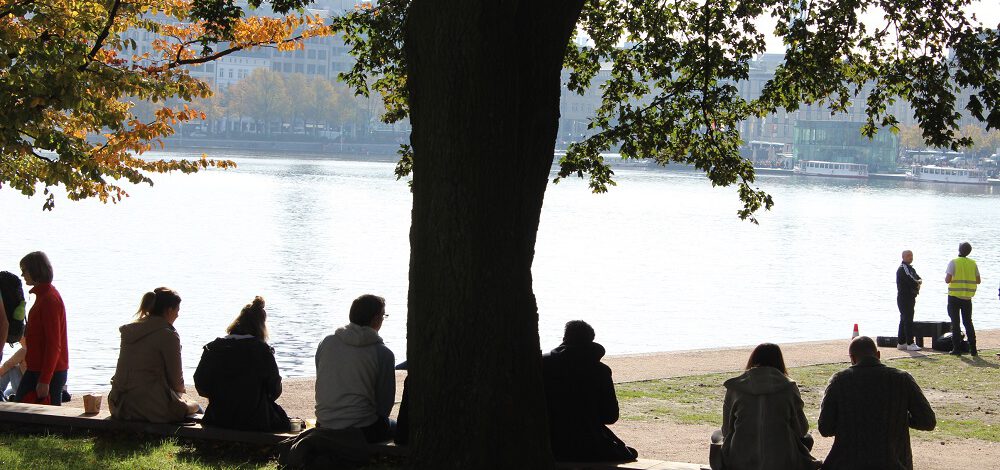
(862, 346)
(767, 355)
(11, 291)
(251, 320)
(37, 265)
(157, 302)
(964, 249)
(578, 331)
(365, 308)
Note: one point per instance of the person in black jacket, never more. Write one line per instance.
(907, 287)
(581, 400)
(239, 376)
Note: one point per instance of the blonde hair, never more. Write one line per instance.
(157, 301)
(251, 320)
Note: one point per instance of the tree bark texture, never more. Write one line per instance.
(484, 88)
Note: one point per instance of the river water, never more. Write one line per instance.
(659, 263)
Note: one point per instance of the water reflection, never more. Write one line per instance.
(659, 263)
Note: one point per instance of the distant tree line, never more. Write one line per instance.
(986, 143)
(267, 103)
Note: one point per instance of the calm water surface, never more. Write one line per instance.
(660, 263)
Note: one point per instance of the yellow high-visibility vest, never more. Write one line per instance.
(963, 282)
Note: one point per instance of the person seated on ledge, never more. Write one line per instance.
(870, 408)
(581, 400)
(239, 376)
(763, 424)
(149, 381)
(47, 361)
(355, 374)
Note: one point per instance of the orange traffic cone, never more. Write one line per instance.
(855, 334)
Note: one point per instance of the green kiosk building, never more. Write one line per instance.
(842, 142)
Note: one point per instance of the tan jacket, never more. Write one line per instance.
(149, 379)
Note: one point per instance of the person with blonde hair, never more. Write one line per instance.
(239, 376)
(47, 360)
(148, 384)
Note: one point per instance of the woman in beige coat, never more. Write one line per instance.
(763, 424)
(149, 380)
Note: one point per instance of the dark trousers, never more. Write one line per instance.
(380, 431)
(961, 308)
(30, 380)
(905, 304)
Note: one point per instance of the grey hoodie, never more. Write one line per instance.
(763, 423)
(355, 378)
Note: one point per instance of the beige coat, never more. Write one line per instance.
(148, 379)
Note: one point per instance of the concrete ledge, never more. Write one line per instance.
(61, 417)
(641, 464)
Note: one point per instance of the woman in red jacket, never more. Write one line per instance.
(47, 358)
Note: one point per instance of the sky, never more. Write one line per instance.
(986, 11)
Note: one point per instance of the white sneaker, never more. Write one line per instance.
(901, 347)
(913, 347)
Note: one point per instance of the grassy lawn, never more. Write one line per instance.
(964, 392)
(109, 451)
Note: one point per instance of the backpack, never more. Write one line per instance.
(13, 303)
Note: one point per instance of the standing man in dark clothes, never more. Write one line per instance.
(581, 400)
(870, 407)
(962, 277)
(907, 287)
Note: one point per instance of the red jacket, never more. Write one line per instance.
(45, 334)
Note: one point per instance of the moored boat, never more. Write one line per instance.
(839, 169)
(938, 174)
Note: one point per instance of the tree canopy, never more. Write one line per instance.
(672, 95)
(66, 70)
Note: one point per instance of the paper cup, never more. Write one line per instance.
(92, 403)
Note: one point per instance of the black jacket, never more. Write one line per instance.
(870, 408)
(906, 281)
(581, 401)
(240, 379)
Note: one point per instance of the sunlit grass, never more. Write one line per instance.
(964, 392)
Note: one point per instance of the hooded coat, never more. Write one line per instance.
(355, 378)
(240, 378)
(763, 423)
(149, 373)
(581, 400)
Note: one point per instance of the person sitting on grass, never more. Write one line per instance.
(239, 376)
(763, 424)
(869, 409)
(355, 374)
(581, 400)
(149, 381)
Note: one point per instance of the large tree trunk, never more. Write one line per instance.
(484, 85)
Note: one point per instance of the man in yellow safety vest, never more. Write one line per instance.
(962, 277)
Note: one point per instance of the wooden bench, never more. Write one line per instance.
(933, 329)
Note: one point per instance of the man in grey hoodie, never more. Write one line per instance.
(355, 376)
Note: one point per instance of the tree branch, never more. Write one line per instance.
(99, 42)
(200, 60)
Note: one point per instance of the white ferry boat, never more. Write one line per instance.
(844, 170)
(940, 174)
